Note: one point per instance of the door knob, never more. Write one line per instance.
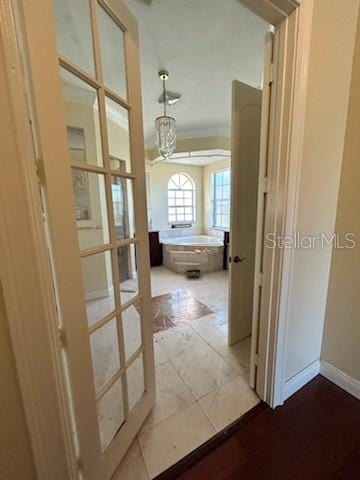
(237, 259)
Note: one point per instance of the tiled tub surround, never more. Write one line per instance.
(201, 381)
(180, 232)
(194, 252)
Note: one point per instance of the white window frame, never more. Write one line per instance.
(192, 206)
(214, 199)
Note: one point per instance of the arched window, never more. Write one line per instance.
(181, 199)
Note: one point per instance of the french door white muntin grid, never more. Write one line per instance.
(102, 93)
(95, 462)
(112, 247)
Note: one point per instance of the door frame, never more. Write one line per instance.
(24, 261)
(292, 20)
(26, 276)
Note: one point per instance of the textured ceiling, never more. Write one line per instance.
(205, 44)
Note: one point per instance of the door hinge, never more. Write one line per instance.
(79, 464)
(260, 279)
(62, 337)
(39, 174)
(266, 185)
(256, 359)
(271, 73)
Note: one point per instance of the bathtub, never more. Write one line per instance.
(200, 252)
(195, 241)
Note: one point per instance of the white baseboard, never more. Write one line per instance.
(340, 379)
(294, 384)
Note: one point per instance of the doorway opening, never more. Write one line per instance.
(202, 366)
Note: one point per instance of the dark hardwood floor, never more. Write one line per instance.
(314, 436)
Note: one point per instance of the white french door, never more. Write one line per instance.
(84, 71)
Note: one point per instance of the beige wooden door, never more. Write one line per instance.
(246, 122)
(86, 100)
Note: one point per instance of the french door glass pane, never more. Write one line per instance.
(98, 285)
(90, 208)
(110, 414)
(105, 353)
(82, 120)
(136, 384)
(73, 32)
(112, 53)
(123, 206)
(132, 330)
(117, 119)
(129, 286)
(92, 47)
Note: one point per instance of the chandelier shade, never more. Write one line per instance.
(165, 135)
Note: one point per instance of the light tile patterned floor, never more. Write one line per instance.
(201, 381)
(176, 307)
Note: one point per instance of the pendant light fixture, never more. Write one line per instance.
(165, 126)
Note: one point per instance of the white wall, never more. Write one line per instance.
(157, 193)
(159, 177)
(332, 44)
(341, 343)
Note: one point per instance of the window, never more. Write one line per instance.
(220, 198)
(181, 202)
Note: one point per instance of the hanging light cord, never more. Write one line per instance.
(164, 90)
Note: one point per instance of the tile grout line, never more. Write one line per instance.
(222, 356)
(211, 391)
(213, 349)
(181, 409)
(170, 416)
(196, 401)
(143, 458)
(187, 388)
(206, 415)
(225, 359)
